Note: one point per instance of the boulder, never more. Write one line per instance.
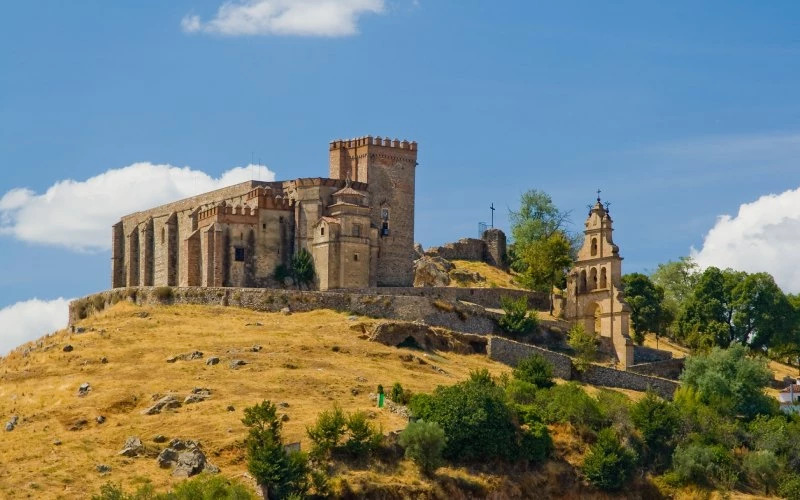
(286, 311)
(100, 419)
(104, 360)
(198, 394)
(418, 251)
(462, 275)
(84, 389)
(159, 438)
(432, 271)
(165, 403)
(68, 348)
(394, 333)
(187, 458)
(187, 356)
(236, 363)
(213, 360)
(256, 348)
(133, 447)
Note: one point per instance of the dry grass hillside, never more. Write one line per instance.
(307, 360)
(494, 277)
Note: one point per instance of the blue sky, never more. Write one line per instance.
(681, 112)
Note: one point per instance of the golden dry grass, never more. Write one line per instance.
(298, 364)
(494, 277)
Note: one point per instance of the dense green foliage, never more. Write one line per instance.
(657, 420)
(424, 443)
(202, 487)
(283, 473)
(730, 382)
(584, 344)
(645, 300)
(399, 394)
(542, 250)
(608, 464)
(535, 370)
(517, 319)
(351, 435)
(302, 268)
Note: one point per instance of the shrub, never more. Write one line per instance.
(762, 467)
(327, 431)
(535, 370)
(615, 409)
(474, 416)
(521, 392)
(535, 443)
(658, 421)
(424, 442)
(704, 464)
(399, 395)
(778, 435)
(516, 318)
(608, 464)
(362, 438)
(584, 344)
(281, 273)
(569, 403)
(98, 302)
(303, 268)
(283, 474)
(790, 487)
(163, 293)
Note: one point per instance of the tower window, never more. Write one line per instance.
(264, 227)
(594, 247)
(280, 219)
(385, 214)
(162, 235)
(322, 231)
(355, 257)
(385, 229)
(238, 254)
(356, 229)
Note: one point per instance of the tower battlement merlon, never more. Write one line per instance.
(369, 140)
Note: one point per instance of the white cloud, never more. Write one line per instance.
(79, 214)
(763, 236)
(285, 17)
(29, 320)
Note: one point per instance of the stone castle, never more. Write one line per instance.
(358, 225)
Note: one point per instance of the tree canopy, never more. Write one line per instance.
(646, 302)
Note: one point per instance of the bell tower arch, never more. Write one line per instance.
(594, 286)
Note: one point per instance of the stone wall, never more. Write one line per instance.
(668, 368)
(463, 249)
(643, 354)
(442, 313)
(486, 297)
(510, 352)
(609, 377)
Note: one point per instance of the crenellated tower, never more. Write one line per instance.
(388, 167)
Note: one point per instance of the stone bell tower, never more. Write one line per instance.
(594, 286)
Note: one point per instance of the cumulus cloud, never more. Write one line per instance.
(763, 236)
(285, 17)
(29, 320)
(79, 214)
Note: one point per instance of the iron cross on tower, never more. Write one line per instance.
(598, 194)
(491, 207)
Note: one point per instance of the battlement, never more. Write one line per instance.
(266, 200)
(239, 214)
(368, 140)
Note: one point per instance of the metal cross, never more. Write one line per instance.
(598, 194)
(491, 207)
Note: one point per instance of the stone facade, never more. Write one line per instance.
(594, 287)
(358, 225)
(491, 248)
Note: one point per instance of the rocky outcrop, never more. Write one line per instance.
(395, 333)
(432, 271)
(133, 447)
(165, 403)
(187, 458)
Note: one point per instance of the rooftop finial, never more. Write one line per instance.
(598, 195)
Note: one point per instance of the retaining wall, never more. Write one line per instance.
(486, 297)
(609, 377)
(668, 368)
(511, 352)
(452, 315)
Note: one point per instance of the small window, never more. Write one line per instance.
(385, 214)
(356, 229)
(238, 254)
(280, 219)
(264, 227)
(385, 229)
(322, 231)
(594, 247)
(355, 257)
(162, 235)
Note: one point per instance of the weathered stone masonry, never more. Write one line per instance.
(358, 225)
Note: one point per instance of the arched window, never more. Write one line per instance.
(582, 282)
(603, 278)
(594, 247)
(322, 231)
(162, 235)
(593, 278)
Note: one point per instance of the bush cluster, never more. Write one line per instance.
(337, 433)
(517, 319)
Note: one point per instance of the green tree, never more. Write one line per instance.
(284, 474)
(762, 312)
(730, 381)
(516, 318)
(303, 268)
(584, 344)
(424, 442)
(763, 468)
(535, 370)
(546, 262)
(700, 463)
(658, 422)
(327, 431)
(645, 300)
(609, 464)
(706, 317)
(677, 279)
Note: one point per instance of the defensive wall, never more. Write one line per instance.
(490, 248)
(486, 297)
(510, 352)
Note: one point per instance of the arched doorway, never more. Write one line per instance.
(593, 318)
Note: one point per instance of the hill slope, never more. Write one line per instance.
(307, 360)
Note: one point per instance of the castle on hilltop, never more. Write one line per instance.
(358, 225)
